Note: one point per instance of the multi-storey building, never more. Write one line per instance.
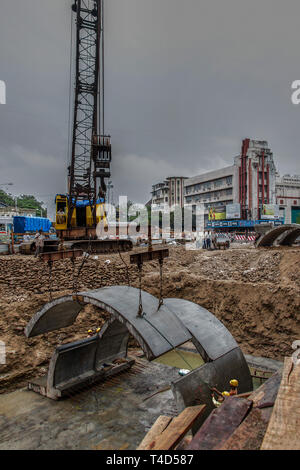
(169, 192)
(215, 188)
(256, 178)
(248, 190)
(249, 182)
(288, 197)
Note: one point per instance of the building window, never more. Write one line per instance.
(281, 201)
(295, 203)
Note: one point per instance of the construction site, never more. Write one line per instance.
(121, 343)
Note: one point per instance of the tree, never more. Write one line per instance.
(25, 201)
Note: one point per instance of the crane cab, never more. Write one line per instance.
(82, 215)
(61, 202)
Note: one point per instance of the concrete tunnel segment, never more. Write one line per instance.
(157, 331)
(289, 233)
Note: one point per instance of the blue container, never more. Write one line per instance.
(31, 224)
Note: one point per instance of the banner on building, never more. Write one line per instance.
(270, 211)
(233, 211)
(217, 213)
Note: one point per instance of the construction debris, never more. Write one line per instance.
(166, 433)
(284, 426)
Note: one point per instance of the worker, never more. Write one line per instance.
(221, 397)
(39, 242)
(204, 245)
(90, 333)
(233, 387)
(98, 330)
(208, 241)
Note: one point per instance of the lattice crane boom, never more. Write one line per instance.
(91, 149)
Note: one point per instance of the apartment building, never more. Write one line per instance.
(249, 183)
(288, 197)
(169, 192)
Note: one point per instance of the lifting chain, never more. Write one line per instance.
(50, 266)
(126, 265)
(73, 275)
(161, 300)
(140, 310)
(85, 258)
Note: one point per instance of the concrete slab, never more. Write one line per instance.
(211, 337)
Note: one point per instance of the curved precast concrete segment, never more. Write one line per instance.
(271, 236)
(157, 331)
(210, 336)
(289, 238)
(194, 388)
(224, 359)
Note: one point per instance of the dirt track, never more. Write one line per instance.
(255, 293)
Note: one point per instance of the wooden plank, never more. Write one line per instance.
(178, 428)
(284, 426)
(249, 435)
(220, 424)
(158, 427)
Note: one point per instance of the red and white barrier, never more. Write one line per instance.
(244, 238)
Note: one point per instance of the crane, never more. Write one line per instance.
(79, 211)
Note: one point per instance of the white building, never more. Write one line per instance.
(288, 197)
(12, 212)
(250, 182)
(168, 192)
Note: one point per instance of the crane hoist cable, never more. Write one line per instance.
(126, 265)
(70, 89)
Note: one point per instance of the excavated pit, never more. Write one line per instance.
(255, 293)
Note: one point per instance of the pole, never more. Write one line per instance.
(12, 243)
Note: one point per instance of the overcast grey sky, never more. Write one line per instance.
(186, 81)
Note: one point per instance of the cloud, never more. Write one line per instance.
(135, 174)
(35, 159)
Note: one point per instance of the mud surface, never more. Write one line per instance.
(255, 293)
(114, 415)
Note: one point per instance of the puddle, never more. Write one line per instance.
(182, 359)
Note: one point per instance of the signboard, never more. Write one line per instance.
(270, 212)
(217, 213)
(233, 211)
(240, 223)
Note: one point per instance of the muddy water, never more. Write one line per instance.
(182, 359)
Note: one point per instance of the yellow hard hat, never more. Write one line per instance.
(98, 329)
(234, 383)
(90, 331)
(226, 394)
